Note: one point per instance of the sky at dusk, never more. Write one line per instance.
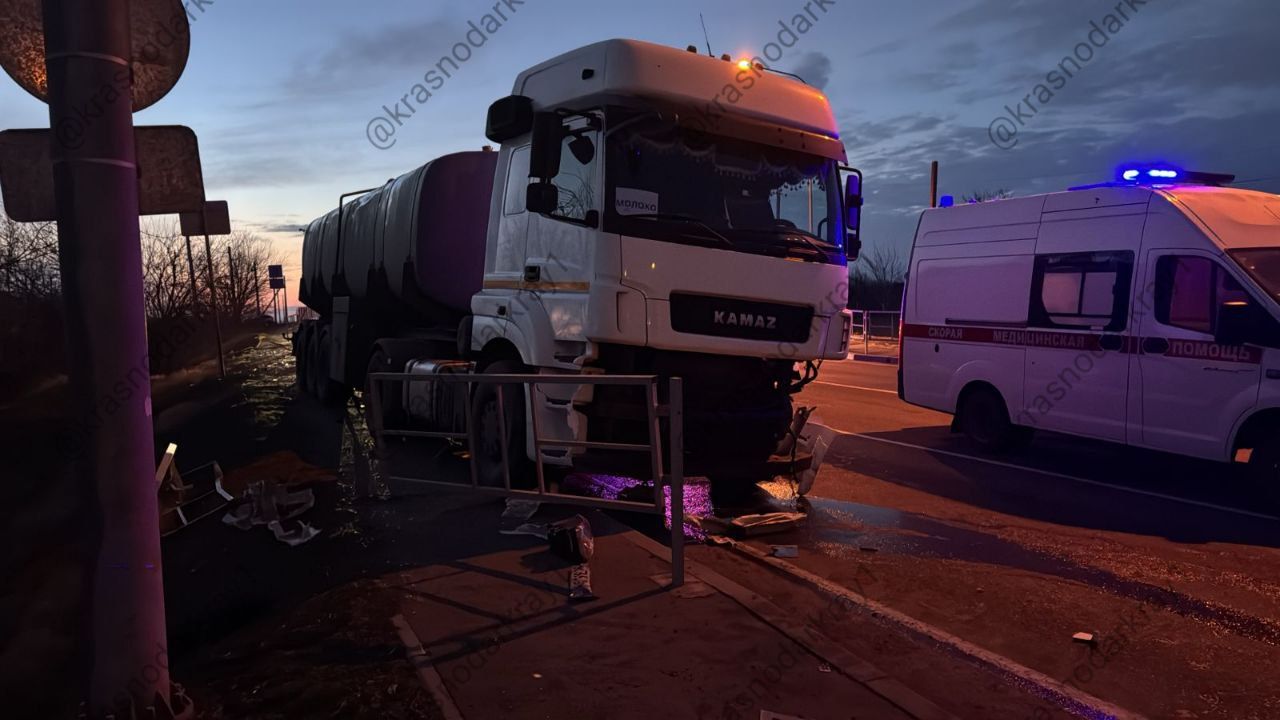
(281, 93)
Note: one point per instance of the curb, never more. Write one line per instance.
(1065, 697)
(879, 359)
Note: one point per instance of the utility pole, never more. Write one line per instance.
(87, 46)
(233, 294)
(257, 292)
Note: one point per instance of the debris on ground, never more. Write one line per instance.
(747, 525)
(271, 504)
(580, 584)
(817, 448)
(268, 502)
(571, 539)
(784, 551)
(295, 537)
(517, 514)
(1085, 638)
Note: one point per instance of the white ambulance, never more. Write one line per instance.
(1144, 311)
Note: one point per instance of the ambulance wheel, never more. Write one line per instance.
(984, 419)
(489, 429)
(1264, 466)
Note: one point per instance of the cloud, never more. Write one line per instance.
(815, 68)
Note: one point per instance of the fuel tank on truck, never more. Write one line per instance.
(416, 246)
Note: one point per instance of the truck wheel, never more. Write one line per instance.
(392, 413)
(984, 419)
(484, 413)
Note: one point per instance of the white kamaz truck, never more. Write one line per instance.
(651, 211)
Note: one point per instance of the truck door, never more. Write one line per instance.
(513, 221)
(1193, 389)
(561, 247)
(1077, 374)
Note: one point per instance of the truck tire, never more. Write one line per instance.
(484, 413)
(984, 419)
(392, 413)
(300, 357)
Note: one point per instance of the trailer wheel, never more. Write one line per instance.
(984, 419)
(330, 393)
(484, 413)
(301, 358)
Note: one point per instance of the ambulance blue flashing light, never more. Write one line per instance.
(1149, 174)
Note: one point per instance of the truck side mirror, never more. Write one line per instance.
(509, 118)
(1235, 324)
(545, 150)
(853, 213)
(543, 198)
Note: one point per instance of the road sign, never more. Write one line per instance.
(161, 38)
(277, 283)
(169, 173)
(275, 271)
(215, 220)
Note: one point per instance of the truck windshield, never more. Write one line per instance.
(1264, 265)
(677, 185)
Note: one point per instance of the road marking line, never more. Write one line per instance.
(857, 387)
(1062, 476)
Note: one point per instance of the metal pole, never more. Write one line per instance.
(87, 48)
(213, 305)
(933, 184)
(675, 399)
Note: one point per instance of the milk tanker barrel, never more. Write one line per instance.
(414, 248)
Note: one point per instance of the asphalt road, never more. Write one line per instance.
(1173, 563)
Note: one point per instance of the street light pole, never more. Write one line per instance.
(87, 51)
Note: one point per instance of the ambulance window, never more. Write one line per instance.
(1189, 291)
(1082, 291)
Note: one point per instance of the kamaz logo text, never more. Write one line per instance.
(747, 320)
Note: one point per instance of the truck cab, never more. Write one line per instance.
(661, 212)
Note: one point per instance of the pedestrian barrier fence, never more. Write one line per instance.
(665, 474)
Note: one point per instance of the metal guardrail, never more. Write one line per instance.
(876, 325)
(673, 410)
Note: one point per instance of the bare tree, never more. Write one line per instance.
(980, 196)
(878, 276)
(165, 270)
(28, 259)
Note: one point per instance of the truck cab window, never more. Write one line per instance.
(1082, 291)
(517, 181)
(577, 179)
(1189, 291)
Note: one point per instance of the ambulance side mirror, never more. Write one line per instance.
(853, 212)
